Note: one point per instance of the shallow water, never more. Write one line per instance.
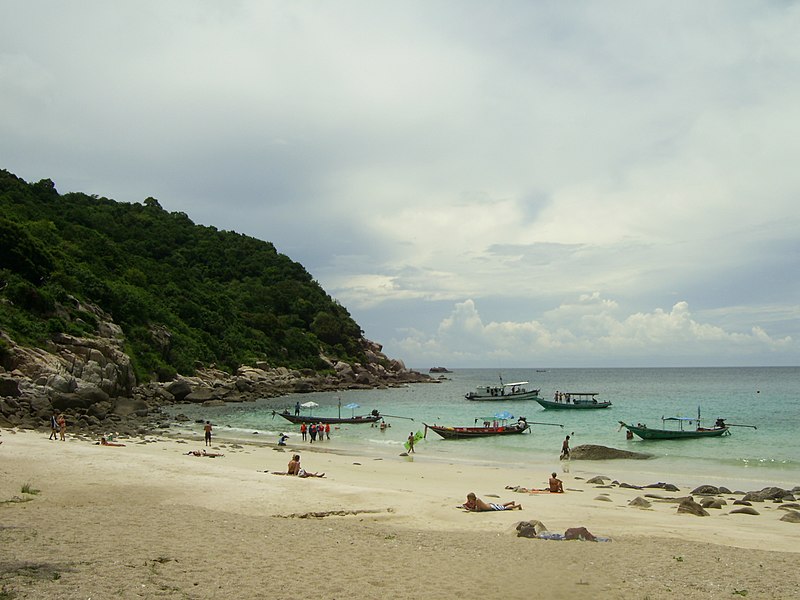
(768, 398)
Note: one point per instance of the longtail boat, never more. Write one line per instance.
(648, 433)
(373, 417)
(574, 401)
(490, 428)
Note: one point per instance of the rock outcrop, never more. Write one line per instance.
(593, 452)
(92, 381)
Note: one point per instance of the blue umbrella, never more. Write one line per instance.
(505, 415)
(353, 406)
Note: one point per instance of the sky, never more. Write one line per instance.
(481, 184)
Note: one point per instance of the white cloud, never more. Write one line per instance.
(415, 154)
(588, 332)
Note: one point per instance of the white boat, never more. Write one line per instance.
(503, 392)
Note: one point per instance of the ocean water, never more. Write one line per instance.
(767, 397)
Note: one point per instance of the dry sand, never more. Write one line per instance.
(148, 521)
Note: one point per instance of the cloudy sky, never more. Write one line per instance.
(532, 184)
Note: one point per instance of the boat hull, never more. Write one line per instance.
(531, 395)
(330, 420)
(647, 433)
(460, 433)
(549, 404)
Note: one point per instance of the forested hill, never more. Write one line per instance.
(184, 295)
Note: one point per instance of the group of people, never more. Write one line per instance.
(475, 504)
(567, 398)
(58, 426)
(315, 431)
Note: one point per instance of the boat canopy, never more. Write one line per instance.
(679, 418)
(503, 416)
(517, 383)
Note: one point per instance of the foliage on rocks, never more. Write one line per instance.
(184, 295)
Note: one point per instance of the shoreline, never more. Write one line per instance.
(658, 468)
(99, 506)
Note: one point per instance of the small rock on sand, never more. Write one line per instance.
(792, 516)
(745, 510)
(689, 506)
(640, 502)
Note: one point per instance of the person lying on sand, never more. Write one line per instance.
(475, 504)
(204, 453)
(104, 442)
(556, 485)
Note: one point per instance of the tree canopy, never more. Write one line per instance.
(185, 295)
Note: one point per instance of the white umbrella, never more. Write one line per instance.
(309, 405)
(353, 406)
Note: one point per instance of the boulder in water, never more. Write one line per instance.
(594, 452)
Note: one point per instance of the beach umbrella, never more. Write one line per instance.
(352, 406)
(503, 415)
(309, 405)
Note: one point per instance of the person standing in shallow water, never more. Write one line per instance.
(207, 429)
(411, 442)
(565, 449)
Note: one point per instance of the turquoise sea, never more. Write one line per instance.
(767, 397)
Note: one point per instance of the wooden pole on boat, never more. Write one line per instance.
(737, 425)
(397, 417)
(555, 424)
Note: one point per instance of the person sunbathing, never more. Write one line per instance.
(204, 453)
(294, 468)
(556, 485)
(104, 442)
(475, 504)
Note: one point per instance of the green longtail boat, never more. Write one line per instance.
(720, 428)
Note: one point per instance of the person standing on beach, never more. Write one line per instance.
(207, 429)
(565, 449)
(54, 426)
(411, 442)
(304, 431)
(62, 427)
(312, 431)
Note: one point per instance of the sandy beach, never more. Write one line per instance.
(149, 521)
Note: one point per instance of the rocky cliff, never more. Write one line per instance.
(91, 380)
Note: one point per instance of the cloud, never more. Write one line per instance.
(414, 155)
(588, 332)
